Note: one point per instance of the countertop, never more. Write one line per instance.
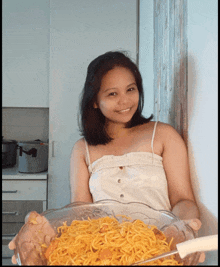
(12, 173)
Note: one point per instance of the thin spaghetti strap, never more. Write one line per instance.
(152, 141)
(87, 153)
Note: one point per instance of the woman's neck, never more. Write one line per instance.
(117, 130)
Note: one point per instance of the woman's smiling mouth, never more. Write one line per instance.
(124, 110)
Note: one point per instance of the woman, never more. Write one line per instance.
(117, 137)
(123, 155)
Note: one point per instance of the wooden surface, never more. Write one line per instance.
(170, 63)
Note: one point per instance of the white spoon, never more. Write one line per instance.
(206, 243)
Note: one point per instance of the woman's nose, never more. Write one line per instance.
(123, 99)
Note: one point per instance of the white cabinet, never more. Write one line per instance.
(80, 31)
(19, 197)
(24, 190)
(25, 34)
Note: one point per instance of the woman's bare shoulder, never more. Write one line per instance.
(166, 128)
(79, 143)
(163, 127)
(160, 127)
(167, 132)
(146, 126)
(79, 147)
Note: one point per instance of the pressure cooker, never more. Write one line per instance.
(33, 156)
(9, 153)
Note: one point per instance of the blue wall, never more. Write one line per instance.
(202, 111)
(202, 79)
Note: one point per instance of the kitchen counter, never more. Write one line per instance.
(12, 173)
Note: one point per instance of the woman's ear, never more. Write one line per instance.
(95, 105)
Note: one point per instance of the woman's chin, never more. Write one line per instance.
(123, 122)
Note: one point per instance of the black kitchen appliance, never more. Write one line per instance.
(9, 153)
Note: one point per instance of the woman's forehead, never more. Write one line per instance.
(116, 76)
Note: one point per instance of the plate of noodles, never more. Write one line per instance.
(109, 232)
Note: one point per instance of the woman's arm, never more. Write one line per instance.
(79, 174)
(176, 165)
(186, 210)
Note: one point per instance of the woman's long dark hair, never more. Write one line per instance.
(92, 121)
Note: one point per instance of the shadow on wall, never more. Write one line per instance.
(209, 221)
(179, 112)
(176, 111)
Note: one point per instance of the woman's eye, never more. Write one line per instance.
(131, 89)
(112, 94)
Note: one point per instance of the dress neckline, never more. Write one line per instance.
(128, 153)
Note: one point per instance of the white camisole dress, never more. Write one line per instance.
(132, 177)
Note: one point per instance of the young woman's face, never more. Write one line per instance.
(118, 96)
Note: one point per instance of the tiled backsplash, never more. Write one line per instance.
(25, 124)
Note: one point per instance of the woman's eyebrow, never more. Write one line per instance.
(107, 89)
(132, 84)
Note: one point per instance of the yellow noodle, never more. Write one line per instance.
(105, 241)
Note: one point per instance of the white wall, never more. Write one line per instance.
(146, 37)
(80, 31)
(202, 110)
(25, 65)
(25, 124)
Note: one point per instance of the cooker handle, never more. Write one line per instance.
(32, 151)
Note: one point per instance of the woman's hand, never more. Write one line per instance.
(196, 224)
(173, 231)
(27, 243)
